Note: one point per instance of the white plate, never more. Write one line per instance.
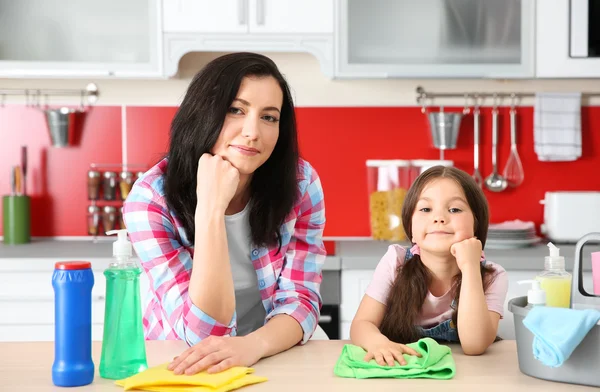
(510, 244)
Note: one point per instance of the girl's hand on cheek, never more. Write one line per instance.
(467, 253)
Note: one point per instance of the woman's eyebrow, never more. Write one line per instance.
(243, 101)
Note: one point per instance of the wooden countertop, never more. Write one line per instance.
(27, 367)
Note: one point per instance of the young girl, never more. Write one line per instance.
(415, 292)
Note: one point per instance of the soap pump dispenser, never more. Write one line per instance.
(555, 280)
(123, 345)
(536, 296)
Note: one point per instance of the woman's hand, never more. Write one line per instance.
(385, 352)
(467, 253)
(217, 182)
(218, 353)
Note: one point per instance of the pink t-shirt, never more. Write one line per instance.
(435, 309)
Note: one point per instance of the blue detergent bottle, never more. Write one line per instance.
(72, 282)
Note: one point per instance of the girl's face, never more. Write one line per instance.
(251, 126)
(442, 217)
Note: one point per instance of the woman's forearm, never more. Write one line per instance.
(363, 333)
(475, 327)
(279, 334)
(211, 284)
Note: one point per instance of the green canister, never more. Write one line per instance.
(16, 219)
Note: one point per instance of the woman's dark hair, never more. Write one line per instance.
(409, 290)
(196, 127)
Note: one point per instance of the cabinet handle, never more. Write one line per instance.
(242, 11)
(260, 12)
(325, 319)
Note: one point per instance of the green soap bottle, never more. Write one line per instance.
(123, 345)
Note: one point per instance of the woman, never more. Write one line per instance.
(229, 225)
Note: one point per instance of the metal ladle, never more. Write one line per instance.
(476, 173)
(495, 182)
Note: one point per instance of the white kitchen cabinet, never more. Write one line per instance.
(435, 39)
(71, 38)
(248, 16)
(27, 299)
(354, 285)
(205, 16)
(291, 16)
(553, 43)
(248, 25)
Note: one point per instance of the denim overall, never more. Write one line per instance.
(446, 330)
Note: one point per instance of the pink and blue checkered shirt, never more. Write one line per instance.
(289, 281)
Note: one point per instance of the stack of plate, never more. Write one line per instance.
(511, 234)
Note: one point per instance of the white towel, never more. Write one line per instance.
(557, 126)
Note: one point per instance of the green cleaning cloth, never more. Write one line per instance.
(436, 362)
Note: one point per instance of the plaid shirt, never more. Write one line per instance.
(289, 281)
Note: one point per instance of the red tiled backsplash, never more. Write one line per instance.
(336, 141)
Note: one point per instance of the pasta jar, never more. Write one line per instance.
(387, 184)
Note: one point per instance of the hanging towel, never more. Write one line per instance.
(558, 331)
(436, 362)
(160, 379)
(557, 126)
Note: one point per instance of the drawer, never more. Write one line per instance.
(21, 284)
(39, 312)
(38, 333)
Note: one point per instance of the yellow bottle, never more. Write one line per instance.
(555, 280)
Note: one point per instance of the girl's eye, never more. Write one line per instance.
(234, 110)
(425, 209)
(455, 210)
(270, 119)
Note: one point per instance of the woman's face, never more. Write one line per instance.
(251, 126)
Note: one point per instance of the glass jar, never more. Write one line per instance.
(93, 220)
(387, 184)
(110, 185)
(109, 218)
(125, 184)
(94, 179)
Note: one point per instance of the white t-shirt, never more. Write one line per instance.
(248, 304)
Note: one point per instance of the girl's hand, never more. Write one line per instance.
(467, 253)
(217, 182)
(218, 353)
(385, 352)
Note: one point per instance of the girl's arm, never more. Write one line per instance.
(477, 326)
(364, 332)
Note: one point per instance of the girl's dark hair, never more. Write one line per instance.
(196, 127)
(411, 285)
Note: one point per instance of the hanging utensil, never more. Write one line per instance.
(13, 180)
(476, 174)
(513, 171)
(495, 182)
(24, 168)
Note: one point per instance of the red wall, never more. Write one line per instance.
(336, 141)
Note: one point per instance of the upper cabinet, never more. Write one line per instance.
(435, 38)
(568, 39)
(248, 25)
(73, 38)
(248, 16)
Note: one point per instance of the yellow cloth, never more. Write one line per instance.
(161, 379)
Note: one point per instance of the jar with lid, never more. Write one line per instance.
(387, 184)
(125, 183)
(94, 180)
(93, 220)
(110, 185)
(109, 218)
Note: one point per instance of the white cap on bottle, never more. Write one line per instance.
(122, 246)
(555, 260)
(536, 295)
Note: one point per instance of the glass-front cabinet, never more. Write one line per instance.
(58, 38)
(435, 38)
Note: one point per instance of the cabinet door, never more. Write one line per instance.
(435, 38)
(552, 44)
(80, 38)
(291, 16)
(205, 16)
